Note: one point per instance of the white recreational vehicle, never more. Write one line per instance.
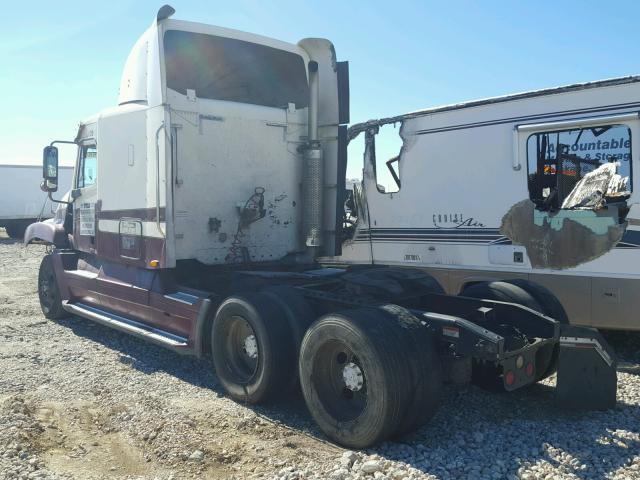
(538, 186)
(200, 207)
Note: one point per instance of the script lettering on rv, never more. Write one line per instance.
(455, 220)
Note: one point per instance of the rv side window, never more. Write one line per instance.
(88, 167)
(222, 68)
(386, 152)
(558, 160)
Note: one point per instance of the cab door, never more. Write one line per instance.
(85, 195)
(82, 281)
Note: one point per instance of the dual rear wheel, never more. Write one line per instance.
(369, 374)
(253, 346)
(366, 374)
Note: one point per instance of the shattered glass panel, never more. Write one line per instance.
(579, 168)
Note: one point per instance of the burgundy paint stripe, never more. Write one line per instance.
(144, 214)
(109, 247)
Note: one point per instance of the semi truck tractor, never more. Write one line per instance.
(207, 216)
(22, 200)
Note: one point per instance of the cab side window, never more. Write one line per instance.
(88, 166)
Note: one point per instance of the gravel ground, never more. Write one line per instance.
(80, 401)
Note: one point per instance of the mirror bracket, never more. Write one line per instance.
(58, 201)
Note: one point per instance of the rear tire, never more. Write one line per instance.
(48, 291)
(299, 316)
(424, 366)
(251, 347)
(502, 292)
(551, 307)
(484, 374)
(392, 284)
(549, 303)
(354, 376)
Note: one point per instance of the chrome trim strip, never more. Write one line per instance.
(183, 298)
(125, 324)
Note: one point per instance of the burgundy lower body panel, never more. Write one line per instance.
(151, 297)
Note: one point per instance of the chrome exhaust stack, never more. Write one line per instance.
(312, 173)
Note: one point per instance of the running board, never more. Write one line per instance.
(127, 325)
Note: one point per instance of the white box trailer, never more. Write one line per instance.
(538, 186)
(22, 201)
(200, 207)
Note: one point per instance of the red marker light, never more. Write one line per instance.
(509, 378)
(529, 369)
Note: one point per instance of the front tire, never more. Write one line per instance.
(48, 291)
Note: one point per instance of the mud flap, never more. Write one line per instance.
(587, 378)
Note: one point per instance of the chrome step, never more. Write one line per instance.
(127, 325)
(182, 297)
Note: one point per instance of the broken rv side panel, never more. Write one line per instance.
(509, 187)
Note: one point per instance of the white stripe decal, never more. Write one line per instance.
(149, 229)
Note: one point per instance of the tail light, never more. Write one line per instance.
(529, 369)
(509, 378)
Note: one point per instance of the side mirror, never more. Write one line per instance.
(50, 169)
